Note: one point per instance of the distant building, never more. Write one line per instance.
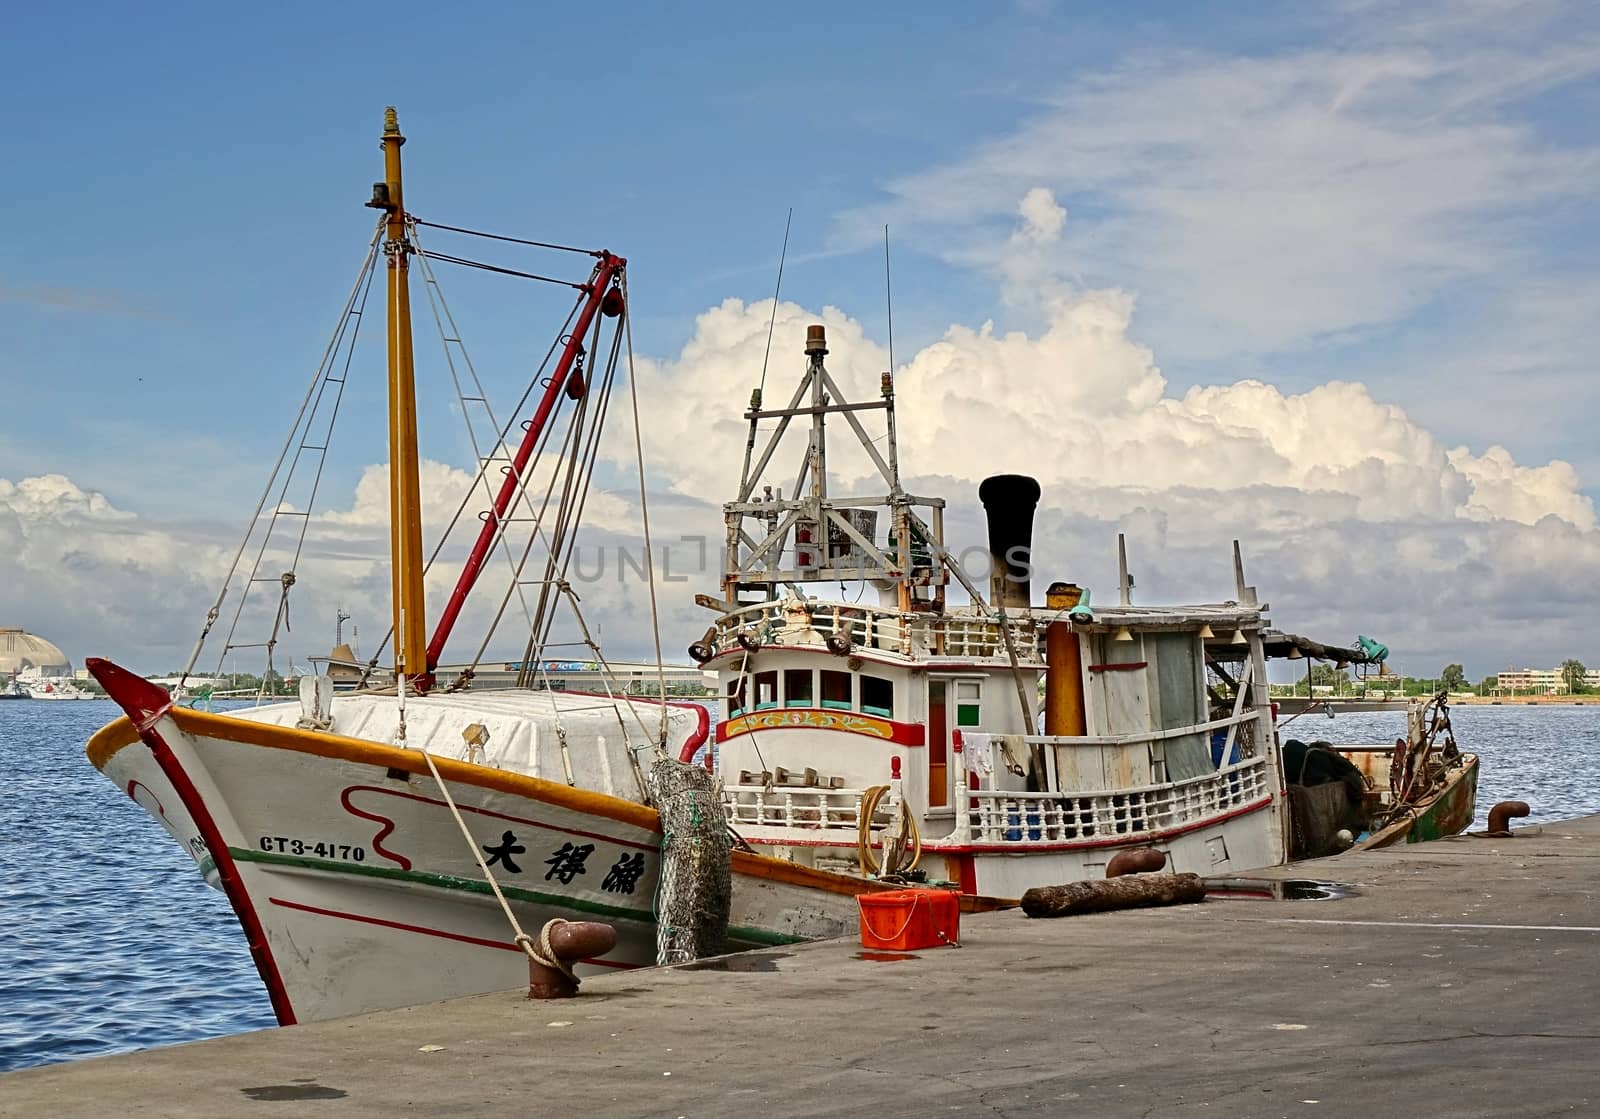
(1540, 681)
(21, 650)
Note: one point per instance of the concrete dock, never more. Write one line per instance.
(1461, 979)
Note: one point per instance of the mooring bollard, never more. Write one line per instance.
(559, 945)
(1140, 860)
(1501, 815)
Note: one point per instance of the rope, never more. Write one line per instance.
(539, 951)
(869, 863)
(644, 511)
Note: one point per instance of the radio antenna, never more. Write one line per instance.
(888, 295)
(773, 321)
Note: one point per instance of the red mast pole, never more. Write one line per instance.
(599, 289)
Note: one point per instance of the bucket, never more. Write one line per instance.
(906, 920)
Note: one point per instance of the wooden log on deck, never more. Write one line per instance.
(1131, 891)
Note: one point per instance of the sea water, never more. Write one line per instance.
(110, 941)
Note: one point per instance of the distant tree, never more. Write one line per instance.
(1452, 678)
(1572, 673)
(1326, 676)
(1490, 683)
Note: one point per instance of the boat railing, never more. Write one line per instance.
(883, 628)
(1023, 819)
(801, 808)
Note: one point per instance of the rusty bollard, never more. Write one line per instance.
(1501, 815)
(1140, 860)
(557, 947)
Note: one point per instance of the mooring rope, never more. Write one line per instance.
(538, 950)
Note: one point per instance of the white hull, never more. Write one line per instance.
(358, 891)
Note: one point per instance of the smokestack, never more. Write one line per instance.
(1009, 501)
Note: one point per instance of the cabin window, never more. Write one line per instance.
(736, 695)
(877, 696)
(797, 688)
(836, 691)
(969, 703)
(766, 690)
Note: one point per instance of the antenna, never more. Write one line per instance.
(778, 287)
(339, 619)
(888, 295)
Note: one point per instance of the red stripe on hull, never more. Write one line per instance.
(440, 933)
(134, 695)
(493, 814)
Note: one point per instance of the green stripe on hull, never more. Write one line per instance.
(741, 935)
(1451, 813)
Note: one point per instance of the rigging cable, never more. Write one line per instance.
(437, 303)
(266, 490)
(512, 240)
(778, 287)
(465, 263)
(644, 504)
(302, 430)
(483, 467)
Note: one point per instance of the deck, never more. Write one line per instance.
(1461, 979)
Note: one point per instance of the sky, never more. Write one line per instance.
(1319, 277)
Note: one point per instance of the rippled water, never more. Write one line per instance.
(109, 940)
(1547, 756)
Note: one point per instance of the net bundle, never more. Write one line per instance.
(696, 886)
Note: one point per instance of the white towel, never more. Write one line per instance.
(980, 754)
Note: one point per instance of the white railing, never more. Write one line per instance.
(876, 627)
(1000, 816)
(801, 808)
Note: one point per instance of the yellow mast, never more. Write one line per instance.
(405, 506)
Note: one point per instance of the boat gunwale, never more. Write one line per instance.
(120, 733)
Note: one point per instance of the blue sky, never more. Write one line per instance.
(1393, 195)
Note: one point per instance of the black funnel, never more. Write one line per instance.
(1009, 501)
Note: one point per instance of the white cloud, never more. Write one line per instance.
(1083, 406)
(1264, 202)
(1353, 514)
(1042, 217)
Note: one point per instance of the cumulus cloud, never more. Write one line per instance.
(1353, 514)
(1083, 406)
(88, 575)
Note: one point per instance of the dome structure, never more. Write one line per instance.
(20, 650)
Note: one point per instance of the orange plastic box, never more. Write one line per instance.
(905, 920)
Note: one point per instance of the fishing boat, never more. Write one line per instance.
(898, 736)
(395, 842)
(408, 842)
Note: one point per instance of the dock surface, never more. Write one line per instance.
(1460, 979)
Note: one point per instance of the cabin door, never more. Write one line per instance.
(938, 743)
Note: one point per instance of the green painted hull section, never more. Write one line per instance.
(739, 937)
(1451, 811)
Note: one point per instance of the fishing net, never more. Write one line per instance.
(696, 885)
